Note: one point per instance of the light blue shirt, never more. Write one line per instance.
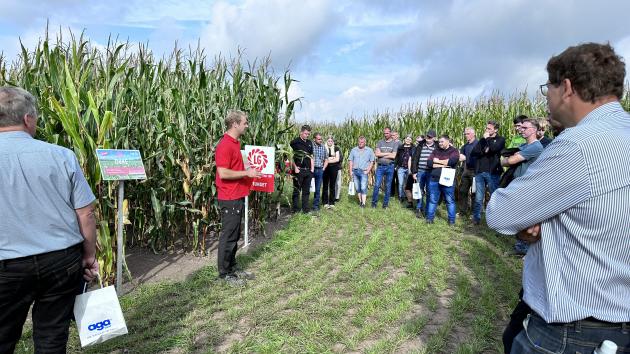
(41, 185)
(579, 191)
(361, 158)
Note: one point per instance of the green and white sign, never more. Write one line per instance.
(119, 165)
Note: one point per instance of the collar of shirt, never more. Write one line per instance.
(596, 114)
(15, 134)
(231, 139)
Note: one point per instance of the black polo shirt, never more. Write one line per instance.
(302, 145)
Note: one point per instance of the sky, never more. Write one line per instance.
(351, 58)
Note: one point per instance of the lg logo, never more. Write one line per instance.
(99, 326)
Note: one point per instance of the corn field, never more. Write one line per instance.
(172, 110)
(446, 117)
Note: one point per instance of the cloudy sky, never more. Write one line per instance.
(351, 57)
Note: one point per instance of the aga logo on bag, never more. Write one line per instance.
(99, 326)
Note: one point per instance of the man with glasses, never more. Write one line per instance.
(487, 152)
(527, 154)
(576, 274)
(386, 154)
(420, 170)
(320, 161)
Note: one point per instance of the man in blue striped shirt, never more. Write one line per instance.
(572, 207)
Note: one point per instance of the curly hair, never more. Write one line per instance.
(594, 69)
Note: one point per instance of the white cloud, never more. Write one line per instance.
(284, 29)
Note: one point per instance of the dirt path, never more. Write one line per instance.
(177, 265)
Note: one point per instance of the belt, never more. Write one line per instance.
(590, 322)
(385, 164)
(43, 256)
(319, 167)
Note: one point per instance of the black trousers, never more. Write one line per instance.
(464, 188)
(231, 215)
(301, 186)
(330, 184)
(51, 281)
(516, 323)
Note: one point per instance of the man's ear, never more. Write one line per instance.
(567, 89)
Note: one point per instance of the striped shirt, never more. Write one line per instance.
(424, 156)
(579, 191)
(319, 153)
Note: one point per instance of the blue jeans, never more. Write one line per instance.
(402, 179)
(388, 172)
(318, 174)
(434, 196)
(360, 181)
(481, 180)
(423, 177)
(576, 337)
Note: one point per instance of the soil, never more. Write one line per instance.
(177, 264)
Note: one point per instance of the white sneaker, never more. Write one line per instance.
(326, 206)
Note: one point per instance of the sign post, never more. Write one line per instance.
(120, 165)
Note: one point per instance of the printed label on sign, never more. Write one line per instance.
(266, 183)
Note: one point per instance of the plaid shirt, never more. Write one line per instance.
(319, 152)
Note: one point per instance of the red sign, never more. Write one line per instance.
(266, 183)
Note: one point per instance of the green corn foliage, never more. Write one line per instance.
(445, 116)
(172, 110)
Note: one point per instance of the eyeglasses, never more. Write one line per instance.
(544, 88)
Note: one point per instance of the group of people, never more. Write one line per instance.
(567, 201)
(482, 165)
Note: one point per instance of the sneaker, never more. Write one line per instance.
(362, 205)
(429, 221)
(241, 274)
(326, 206)
(373, 206)
(233, 280)
(331, 206)
(385, 206)
(419, 214)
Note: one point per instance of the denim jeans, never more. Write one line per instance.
(578, 337)
(481, 180)
(51, 281)
(402, 178)
(360, 179)
(318, 174)
(435, 189)
(388, 172)
(423, 177)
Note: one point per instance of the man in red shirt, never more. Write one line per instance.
(233, 183)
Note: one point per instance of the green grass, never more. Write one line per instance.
(348, 280)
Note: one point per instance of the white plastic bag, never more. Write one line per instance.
(351, 190)
(312, 190)
(416, 191)
(473, 187)
(99, 316)
(447, 176)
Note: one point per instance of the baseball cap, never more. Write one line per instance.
(431, 133)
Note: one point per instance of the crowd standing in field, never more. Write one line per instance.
(565, 199)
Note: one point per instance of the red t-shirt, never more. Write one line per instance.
(228, 155)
